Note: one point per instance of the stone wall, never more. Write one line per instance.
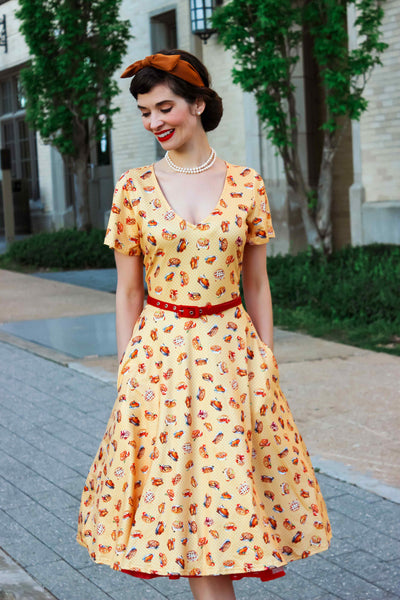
(374, 195)
(17, 49)
(380, 124)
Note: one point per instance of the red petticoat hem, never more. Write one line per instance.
(266, 575)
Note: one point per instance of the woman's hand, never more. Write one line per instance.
(257, 294)
(129, 297)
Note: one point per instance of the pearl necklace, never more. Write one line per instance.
(192, 170)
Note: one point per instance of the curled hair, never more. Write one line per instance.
(147, 78)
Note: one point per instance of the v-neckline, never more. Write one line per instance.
(207, 217)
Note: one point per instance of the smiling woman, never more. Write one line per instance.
(202, 472)
(176, 122)
(149, 76)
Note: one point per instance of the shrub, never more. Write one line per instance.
(359, 284)
(65, 249)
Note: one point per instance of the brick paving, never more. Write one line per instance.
(52, 419)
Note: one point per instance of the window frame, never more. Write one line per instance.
(13, 119)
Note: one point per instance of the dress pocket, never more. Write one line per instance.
(126, 356)
(254, 334)
(265, 346)
(268, 351)
(122, 363)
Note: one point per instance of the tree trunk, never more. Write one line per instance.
(323, 217)
(81, 186)
(313, 237)
(299, 187)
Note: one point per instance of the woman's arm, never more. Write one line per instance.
(129, 298)
(257, 294)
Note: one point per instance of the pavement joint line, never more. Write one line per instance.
(326, 589)
(35, 472)
(60, 557)
(63, 560)
(321, 359)
(36, 538)
(35, 500)
(43, 426)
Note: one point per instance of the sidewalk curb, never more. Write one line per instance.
(16, 582)
(36, 349)
(345, 473)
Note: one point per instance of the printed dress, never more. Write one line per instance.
(201, 470)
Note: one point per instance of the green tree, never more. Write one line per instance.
(75, 48)
(265, 37)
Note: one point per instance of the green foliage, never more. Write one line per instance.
(75, 48)
(360, 284)
(65, 249)
(264, 36)
(264, 40)
(351, 296)
(344, 71)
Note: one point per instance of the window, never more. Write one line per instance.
(6, 97)
(163, 37)
(103, 150)
(21, 100)
(163, 31)
(17, 136)
(102, 156)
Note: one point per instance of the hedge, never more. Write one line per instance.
(65, 249)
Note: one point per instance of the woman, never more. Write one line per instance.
(201, 472)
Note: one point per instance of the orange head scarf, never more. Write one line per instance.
(171, 63)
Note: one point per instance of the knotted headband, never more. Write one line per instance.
(171, 63)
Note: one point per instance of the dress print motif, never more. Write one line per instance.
(201, 470)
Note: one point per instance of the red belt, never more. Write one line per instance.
(185, 310)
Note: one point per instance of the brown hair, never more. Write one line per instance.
(148, 77)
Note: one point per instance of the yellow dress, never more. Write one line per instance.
(201, 470)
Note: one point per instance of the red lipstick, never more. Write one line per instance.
(162, 137)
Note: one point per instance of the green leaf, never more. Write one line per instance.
(75, 48)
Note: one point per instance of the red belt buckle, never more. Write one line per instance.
(190, 311)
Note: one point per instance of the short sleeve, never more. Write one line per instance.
(259, 223)
(123, 230)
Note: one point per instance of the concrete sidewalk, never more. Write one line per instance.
(53, 410)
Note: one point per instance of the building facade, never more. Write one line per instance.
(366, 197)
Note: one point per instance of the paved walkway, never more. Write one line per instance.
(53, 410)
